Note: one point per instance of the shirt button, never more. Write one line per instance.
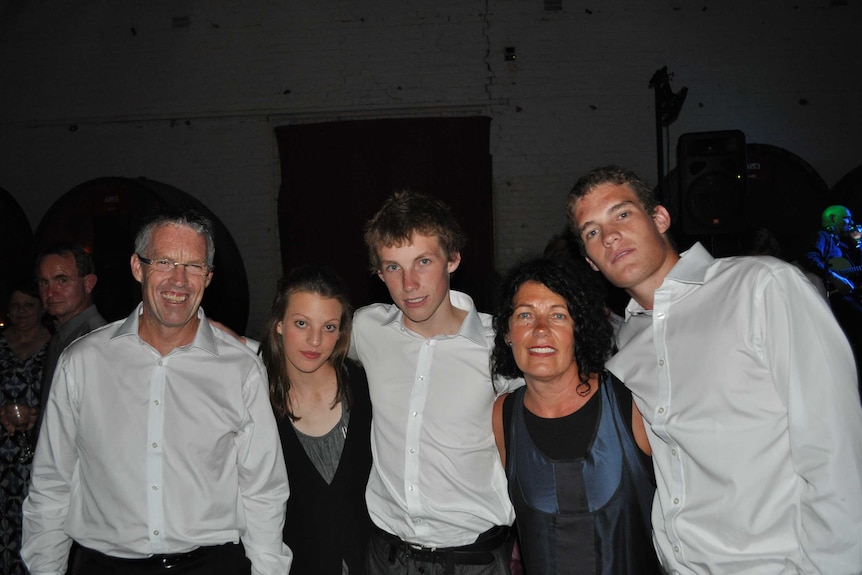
(155, 445)
(676, 500)
(661, 362)
(156, 532)
(157, 402)
(676, 548)
(411, 488)
(161, 362)
(415, 414)
(661, 410)
(421, 378)
(673, 452)
(412, 450)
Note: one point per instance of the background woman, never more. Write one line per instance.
(22, 351)
(572, 441)
(321, 401)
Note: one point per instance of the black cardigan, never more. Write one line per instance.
(326, 523)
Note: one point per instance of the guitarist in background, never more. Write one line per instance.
(835, 255)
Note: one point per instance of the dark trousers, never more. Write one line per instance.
(227, 559)
(387, 556)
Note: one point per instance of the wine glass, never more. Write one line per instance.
(19, 417)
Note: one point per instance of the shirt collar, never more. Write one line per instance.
(73, 324)
(690, 269)
(471, 327)
(692, 266)
(204, 336)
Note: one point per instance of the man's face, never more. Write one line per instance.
(622, 241)
(845, 225)
(64, 293)
(417, 277)
(171, 298)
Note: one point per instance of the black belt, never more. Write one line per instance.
(164, 561)
(478, 553)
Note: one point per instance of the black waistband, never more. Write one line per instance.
(163, 561)
(477, 553)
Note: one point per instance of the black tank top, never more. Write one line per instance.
(587, 515)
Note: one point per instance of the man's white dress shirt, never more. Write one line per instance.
(145, 454)
(436, 479)
(749, 390)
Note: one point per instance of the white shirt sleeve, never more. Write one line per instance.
(45, 545)
(263, 482)
(810, 355)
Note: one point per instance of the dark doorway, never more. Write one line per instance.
(335, 175)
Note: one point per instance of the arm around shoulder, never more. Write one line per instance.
(639, 430)
(45, 545)
(497, 424)
(263, 482)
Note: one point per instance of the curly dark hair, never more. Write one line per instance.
(578, 285)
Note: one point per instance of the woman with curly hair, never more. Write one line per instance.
(320, 399)
(571, 440)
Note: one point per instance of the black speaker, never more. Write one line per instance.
(713, 182)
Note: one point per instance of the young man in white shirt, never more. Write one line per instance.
(748, 389)
(437, 491)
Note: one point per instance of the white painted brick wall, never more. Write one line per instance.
(576, 96)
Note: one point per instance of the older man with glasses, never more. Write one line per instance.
(159, 450)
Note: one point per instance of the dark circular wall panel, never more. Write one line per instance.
(848, 192)
(105, 214)
(785, 195)
(16, 246)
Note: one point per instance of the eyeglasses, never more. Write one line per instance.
(167, 266)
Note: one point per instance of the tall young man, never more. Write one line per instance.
(748, 389)
(437, 491)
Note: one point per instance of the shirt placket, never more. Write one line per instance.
(418, 399)
(155, 455)
(676, 490)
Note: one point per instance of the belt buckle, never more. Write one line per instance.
(171, 561)
(410, 548)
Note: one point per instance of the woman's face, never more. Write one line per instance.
(542, 333)
(25, 311)
(309, 329)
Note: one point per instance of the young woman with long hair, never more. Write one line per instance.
(320, 399)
